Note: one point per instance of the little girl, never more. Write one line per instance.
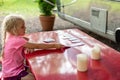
(13, 46)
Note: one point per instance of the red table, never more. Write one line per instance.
(61, 64)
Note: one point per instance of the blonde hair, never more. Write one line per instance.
(9, 24)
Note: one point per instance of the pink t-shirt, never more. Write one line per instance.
(13, 60)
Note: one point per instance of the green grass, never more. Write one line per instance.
(115, 6)
(25, 7)
(30, 8)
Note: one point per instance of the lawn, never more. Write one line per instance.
(25, 7)
(30, 8)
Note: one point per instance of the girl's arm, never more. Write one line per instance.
(43, 45)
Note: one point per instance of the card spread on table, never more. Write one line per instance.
(49, 40)
(76, 41)
(76, 44)
(71, 39)
(65, 37)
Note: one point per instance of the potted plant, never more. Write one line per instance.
(47, 18)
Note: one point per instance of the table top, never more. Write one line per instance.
(60, 64)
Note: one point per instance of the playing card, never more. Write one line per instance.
(49, 40)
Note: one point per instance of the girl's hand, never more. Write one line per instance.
(58, 46)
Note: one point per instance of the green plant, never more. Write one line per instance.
(46, 7)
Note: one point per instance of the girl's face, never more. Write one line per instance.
(21, 28)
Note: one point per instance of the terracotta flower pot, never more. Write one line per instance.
(47, 22)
